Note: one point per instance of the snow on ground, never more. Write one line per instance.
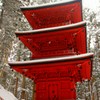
(6, 95)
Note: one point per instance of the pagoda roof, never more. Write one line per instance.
(54, 59)
(53, 14)
(64, 67)
(55, 41)
(70, 26)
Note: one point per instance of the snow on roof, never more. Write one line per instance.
(6, 95)
(79, 24)
(65, 58)
(49, 4)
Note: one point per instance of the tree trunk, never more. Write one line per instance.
(16, 87)
(23, 87)
(34, 91)
(97, 92)
(8, 26)
(89, 43)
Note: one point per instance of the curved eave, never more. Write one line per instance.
(76, 25)
(51, 60)
(49, 5)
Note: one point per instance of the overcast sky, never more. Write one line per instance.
(93, 4)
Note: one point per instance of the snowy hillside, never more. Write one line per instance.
(6, 95)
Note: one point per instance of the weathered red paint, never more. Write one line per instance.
(54, 15)
(55, 90)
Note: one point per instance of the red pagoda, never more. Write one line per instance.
(59, 51)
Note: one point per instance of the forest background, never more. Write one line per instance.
(11, 49)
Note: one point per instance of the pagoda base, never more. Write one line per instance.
(55, 78)
(55, 90)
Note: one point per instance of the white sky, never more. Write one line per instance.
(93, 4)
